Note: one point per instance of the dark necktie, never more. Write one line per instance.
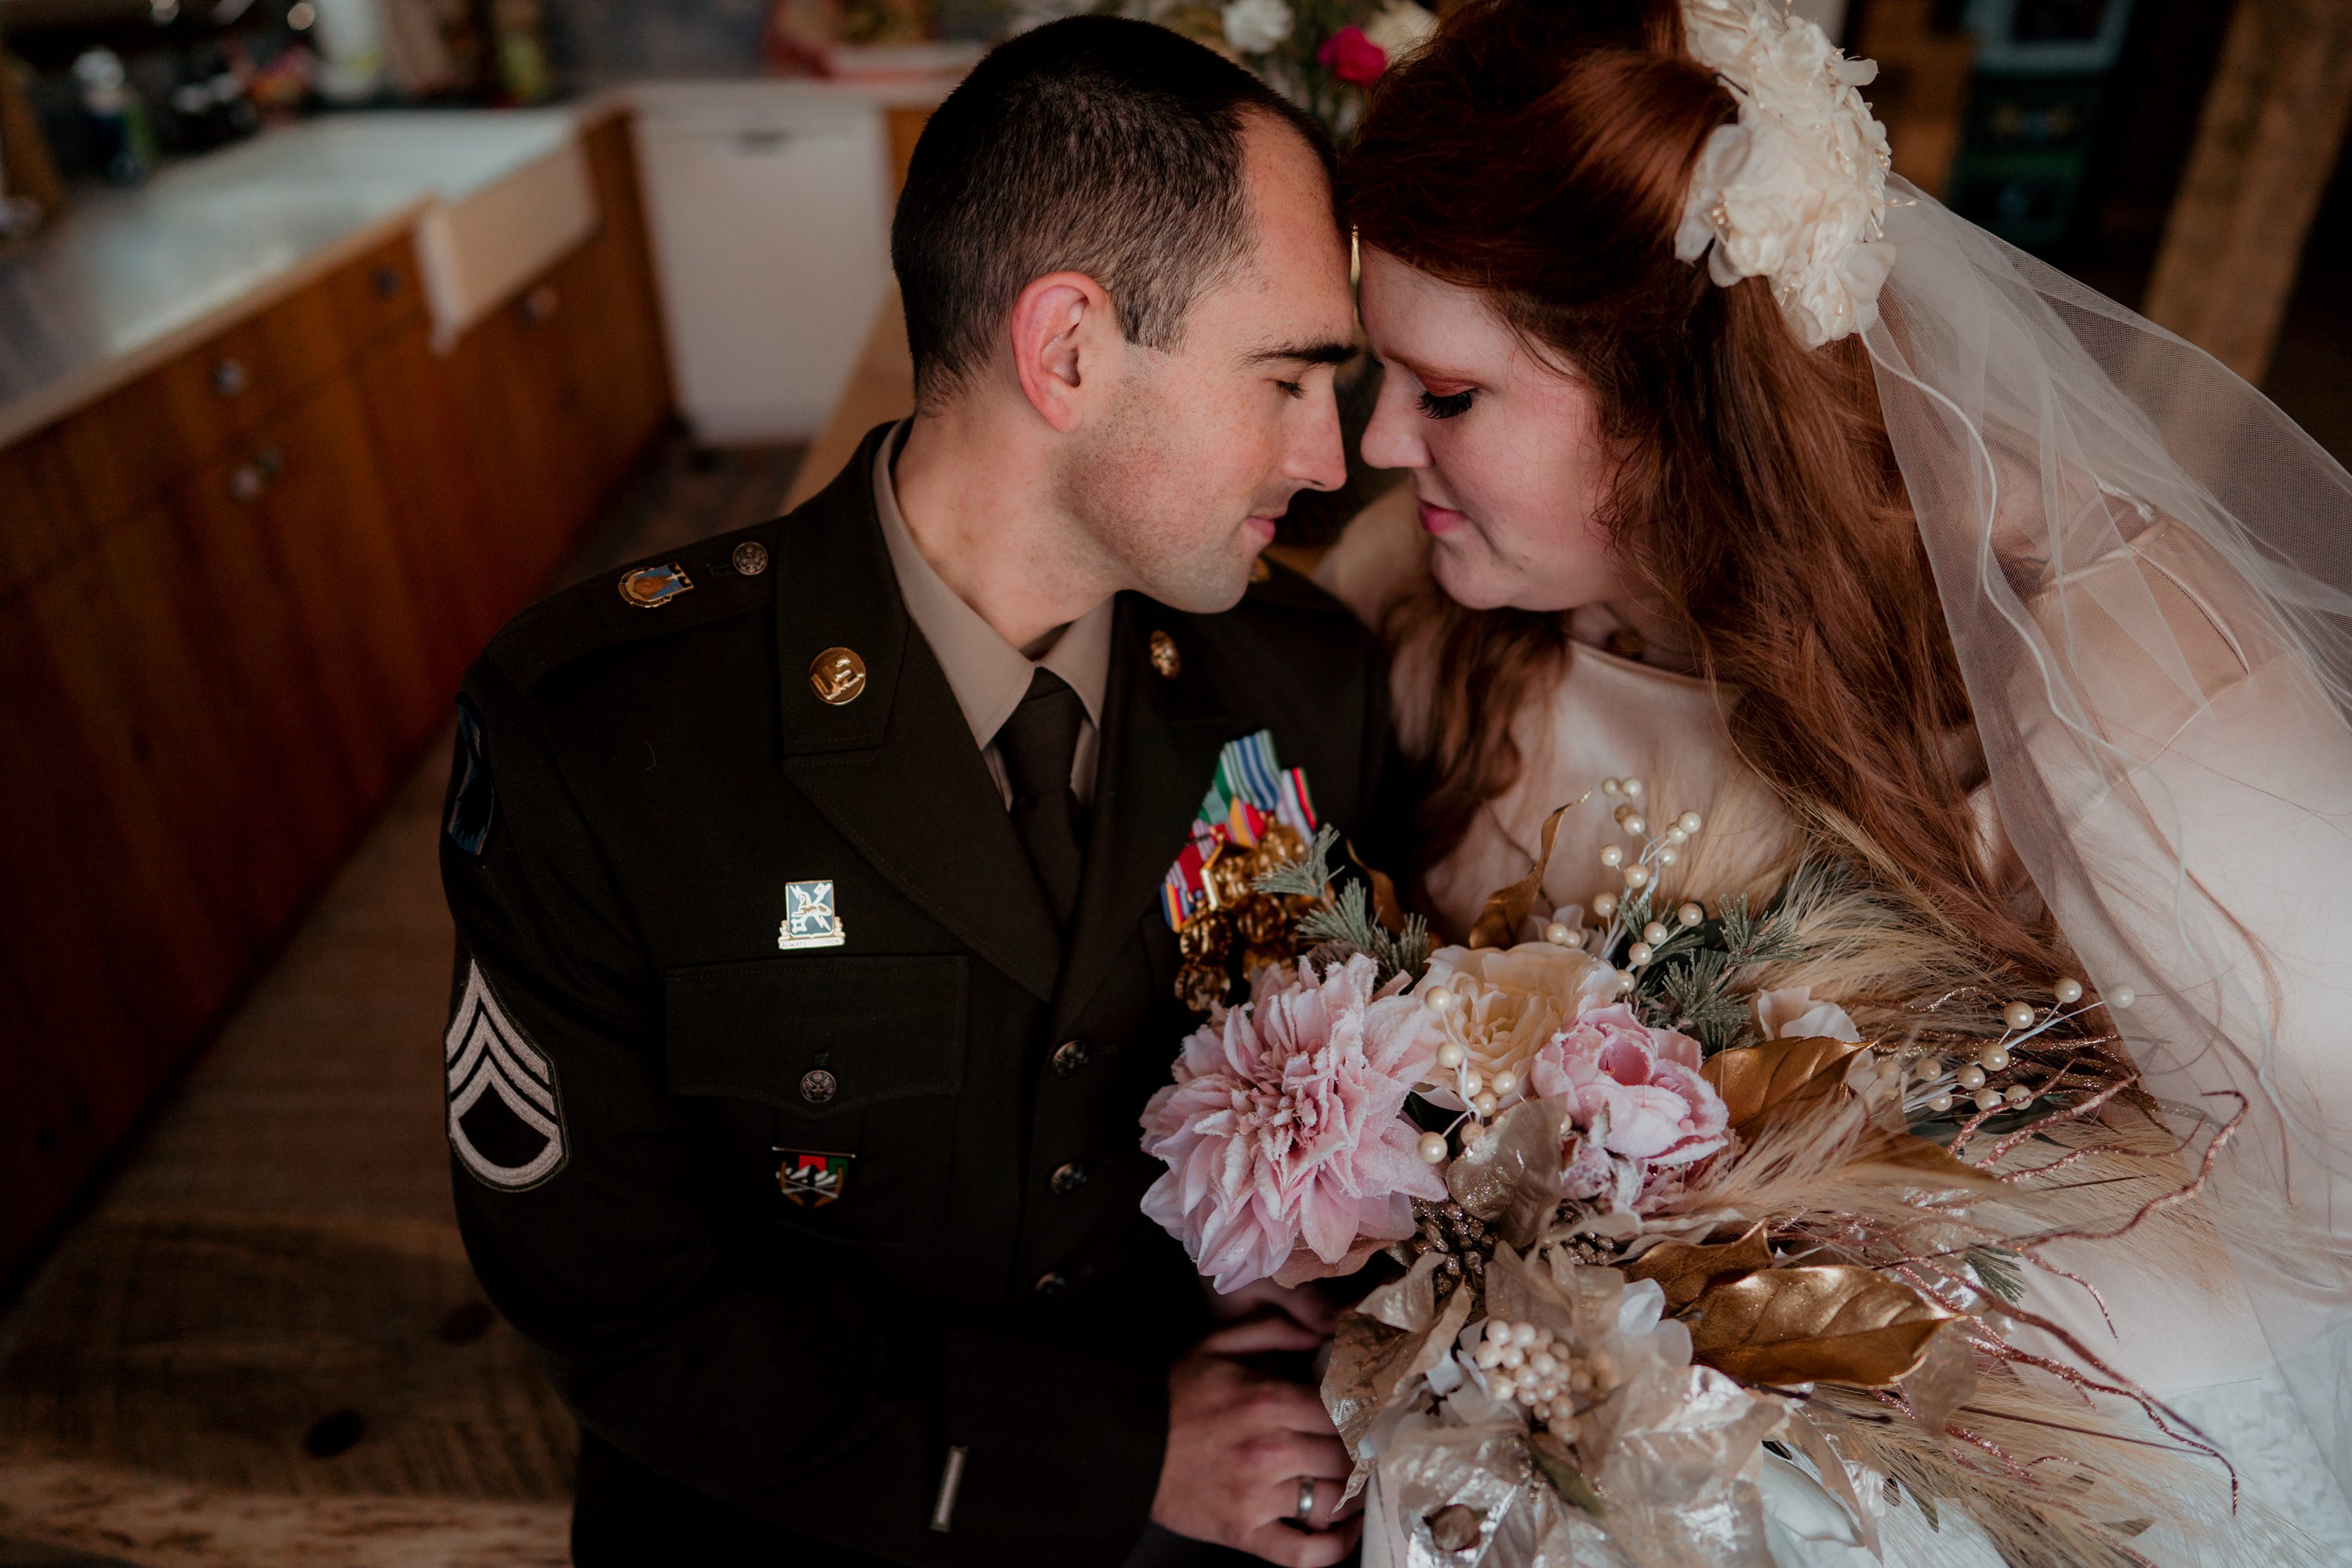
(1037, 746)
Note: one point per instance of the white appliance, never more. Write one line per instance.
(769, 208)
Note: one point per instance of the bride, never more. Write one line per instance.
(1744, 473)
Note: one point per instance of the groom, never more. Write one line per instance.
(811, 972)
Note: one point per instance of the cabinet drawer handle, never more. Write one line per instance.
(762, 144)
(540, 303)
(248, 480)
(230, 378)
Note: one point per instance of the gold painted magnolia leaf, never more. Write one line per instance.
(1778, 1077)
(1499, 923)
(1830, 1323)
(1685, 1269)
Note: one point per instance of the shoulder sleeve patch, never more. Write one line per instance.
(506, 1118)
(473, 795)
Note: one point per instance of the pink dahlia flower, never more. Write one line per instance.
(1635, 1091)
(1351, 57)
(1284, 1130)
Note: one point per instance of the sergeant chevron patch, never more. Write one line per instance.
(504, 1120)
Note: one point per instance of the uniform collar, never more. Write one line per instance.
(894, 768)
(890, 762)
(990, 676)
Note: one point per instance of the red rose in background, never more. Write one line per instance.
(1352, 58)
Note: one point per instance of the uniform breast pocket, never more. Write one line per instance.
(836, 1082)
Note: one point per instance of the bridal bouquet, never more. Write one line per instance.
(1678, 1266)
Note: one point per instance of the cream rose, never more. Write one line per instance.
(1505, 1003)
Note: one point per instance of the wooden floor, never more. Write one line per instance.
(262, 1343)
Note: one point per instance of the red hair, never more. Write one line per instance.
(1540, 151)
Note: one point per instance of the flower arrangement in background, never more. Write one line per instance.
(1650, 1272)
(1320, 54)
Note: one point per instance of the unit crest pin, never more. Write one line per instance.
(811, 918)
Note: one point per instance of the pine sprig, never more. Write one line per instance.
(1700, 1002)
(1303, 878)
(1348, 921)
(1689, 984)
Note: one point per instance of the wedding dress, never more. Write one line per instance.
(2203, 1351)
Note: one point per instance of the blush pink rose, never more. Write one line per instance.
(1352, 58)
(1285, 1129)
(1635, 1092)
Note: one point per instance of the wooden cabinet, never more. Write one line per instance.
(235, 598)
(40, 522)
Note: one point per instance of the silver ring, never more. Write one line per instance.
(1306, 1508)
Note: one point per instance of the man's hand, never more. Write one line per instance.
(1239, 1442)
(1303, 1305)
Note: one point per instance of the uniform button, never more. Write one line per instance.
(1070, 1058)
(1052, 1284)
(817, 1085)
(1067, 1179)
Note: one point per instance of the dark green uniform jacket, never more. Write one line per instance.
(638, 1071)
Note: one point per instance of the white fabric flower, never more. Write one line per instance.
(1254, 27)
(1793, 1014)
(1400, 28)
(1795, 192)
(1508, 1004)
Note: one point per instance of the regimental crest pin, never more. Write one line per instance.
(809, 918)
(811, 1178)
(505, 1118)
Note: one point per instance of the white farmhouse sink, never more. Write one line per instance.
(510, 192)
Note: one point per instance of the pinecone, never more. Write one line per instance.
(1462, 1238)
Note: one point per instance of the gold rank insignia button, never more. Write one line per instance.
(837, 674)
(750, 558)
(649, 587)
(1165, 656)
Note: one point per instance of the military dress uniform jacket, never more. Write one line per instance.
(949, 1343)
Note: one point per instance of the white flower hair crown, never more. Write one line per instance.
(1795, 190)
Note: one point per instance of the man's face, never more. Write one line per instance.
(1205, 443)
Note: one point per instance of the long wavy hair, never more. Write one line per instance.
(1540, 151)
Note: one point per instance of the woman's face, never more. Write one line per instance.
(1506, 457)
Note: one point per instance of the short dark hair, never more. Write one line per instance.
(1094, 145)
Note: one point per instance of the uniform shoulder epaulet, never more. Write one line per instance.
(1280, 586)
(710, 579)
